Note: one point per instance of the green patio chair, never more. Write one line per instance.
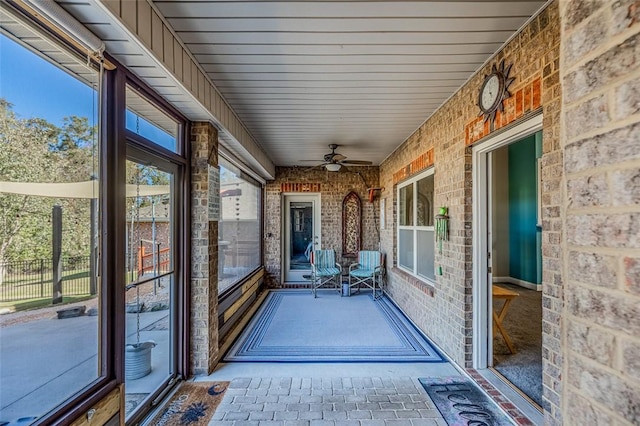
(368, 271)
(324, 270)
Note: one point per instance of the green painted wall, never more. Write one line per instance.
(524, 252)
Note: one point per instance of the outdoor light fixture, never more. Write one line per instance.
(333, 167)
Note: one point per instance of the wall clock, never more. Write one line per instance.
(494, 90)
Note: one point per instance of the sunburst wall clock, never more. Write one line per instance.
(494, 90)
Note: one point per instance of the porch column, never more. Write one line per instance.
(204, 248)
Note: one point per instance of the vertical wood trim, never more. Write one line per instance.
(201, 88)
(177, 59)
(113, 6)
(207, 94)
(186, 69)
(194, 78)
(129, 15)
(144, 22)
(216, 104)
(156, 35)
(167, 43)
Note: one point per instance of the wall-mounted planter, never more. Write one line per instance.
(442, 226)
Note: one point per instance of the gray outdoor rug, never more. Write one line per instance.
(292, 326)
(462, 403)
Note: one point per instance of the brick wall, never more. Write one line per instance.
(204, 252)
(444, 309)
(333, 187)
(601, 217)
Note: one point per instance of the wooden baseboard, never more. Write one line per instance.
(515, 281)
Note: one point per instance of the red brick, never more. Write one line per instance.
(497, 123)
(527, 98)
(519, 103)
(510, 109)
(536, 88)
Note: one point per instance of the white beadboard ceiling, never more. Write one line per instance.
(361, 74)
(304, 74)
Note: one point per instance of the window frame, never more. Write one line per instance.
(229, 292)
(413, 227)
(82, 399)
(135, 146)
(113, 138)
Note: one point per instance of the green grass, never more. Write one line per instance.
(23, 305)
(74, 282)
(31, 279)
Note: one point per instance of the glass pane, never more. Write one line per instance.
(425, 202)
(239, 232)
(145, 119)
(149, 335)
(426, 254)
(405, 248)
(48, 230)
(405, 205)
(301, 232)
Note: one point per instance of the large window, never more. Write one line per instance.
(415, 226)
(50, 291)
(155, 260)
(147, 120)
(239, 229)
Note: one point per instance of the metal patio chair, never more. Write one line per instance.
(368, 271)
(324, 270)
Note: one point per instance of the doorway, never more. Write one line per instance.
(151, 291)
(301, 235)
(508, 261)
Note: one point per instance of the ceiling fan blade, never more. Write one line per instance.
(357, 163)
(339, 157)
(316, 167)
(344, 169)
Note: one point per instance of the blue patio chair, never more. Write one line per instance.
(324, 270)
(369, 270)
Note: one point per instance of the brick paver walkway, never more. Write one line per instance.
(342, 401)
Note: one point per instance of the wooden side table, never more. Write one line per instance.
(498, 317)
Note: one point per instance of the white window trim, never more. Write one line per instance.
(413, 228)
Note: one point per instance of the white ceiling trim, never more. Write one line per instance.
(128, 49)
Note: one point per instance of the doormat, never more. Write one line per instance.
(462, 403)
(293, 326)
(132, 400)
(193, 404)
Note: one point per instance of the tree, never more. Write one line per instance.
(34, 150)
(24, 157)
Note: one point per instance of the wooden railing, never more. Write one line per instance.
(145, 260)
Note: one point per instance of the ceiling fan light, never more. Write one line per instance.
(333, 167)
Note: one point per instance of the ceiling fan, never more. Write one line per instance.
(335, 162)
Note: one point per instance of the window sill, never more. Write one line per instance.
(421, 285)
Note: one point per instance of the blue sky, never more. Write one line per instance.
(36, 88)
